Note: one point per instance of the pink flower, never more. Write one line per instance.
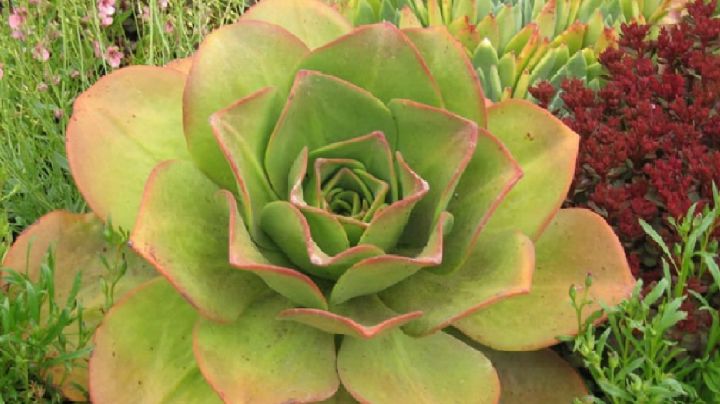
(113, 56)
(42, 87)
(2, 72)
(41, 53)
(169, 27)
(106, 9)
(17, 18)
(163, 4)
(58, 113)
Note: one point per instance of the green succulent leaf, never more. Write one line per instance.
(143, 351)
(395, 368)
(372, 150)
(289, 229)
(183, 230)
(536, 377)
(258, 359)
(231, 63)
(450, 66)
(438, 146)
(578, 242)
(546, 150)
(387, 225)
(364, 317)
(122, 126)
(277, 274)
(406, 77)
(375, 274)
(314, 22)
(490, 175)
(500, 265)
(306, 121)
(242, 131)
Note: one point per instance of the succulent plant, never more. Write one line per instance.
(328, 205)
(514, 44)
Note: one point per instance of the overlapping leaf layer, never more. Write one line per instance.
(299, 179)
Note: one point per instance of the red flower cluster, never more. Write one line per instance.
(650, 143)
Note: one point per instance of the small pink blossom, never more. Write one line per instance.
(2, 72)
(58, 113)
(34, 2)
(74, 74)
(163, 4)
(41, 87)
(106, 9)
(17, 18)
(113, 56)
(169, 27)
(41, 53)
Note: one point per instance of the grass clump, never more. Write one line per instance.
(37, 334)
(51, 51)
(643, 355)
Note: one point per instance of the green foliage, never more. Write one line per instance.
(117, 267)
(36, 96)
(34, 337)
(634, 359)
(36, 100)
(515, 44)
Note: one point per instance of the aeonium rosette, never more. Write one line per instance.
(339, 198)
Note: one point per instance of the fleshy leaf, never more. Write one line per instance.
(391, 66)
(501, 265)
(181, 65)
(396, 368)
(78, 246)
(388, 224)
(306, 121)
(245, 255)
(314, 22)
(231, 63)
(489, 176)
(242, 131)
(546, 150)
(143, 351)
(258, 359)
(363, 317)
(452, 69)
(182, 229)
(378, 273)
(289, 229)
(536, 377)
(372, 150)
(577, 242)
(438, 146)
(121, 127)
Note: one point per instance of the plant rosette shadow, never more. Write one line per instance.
(320, 204)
